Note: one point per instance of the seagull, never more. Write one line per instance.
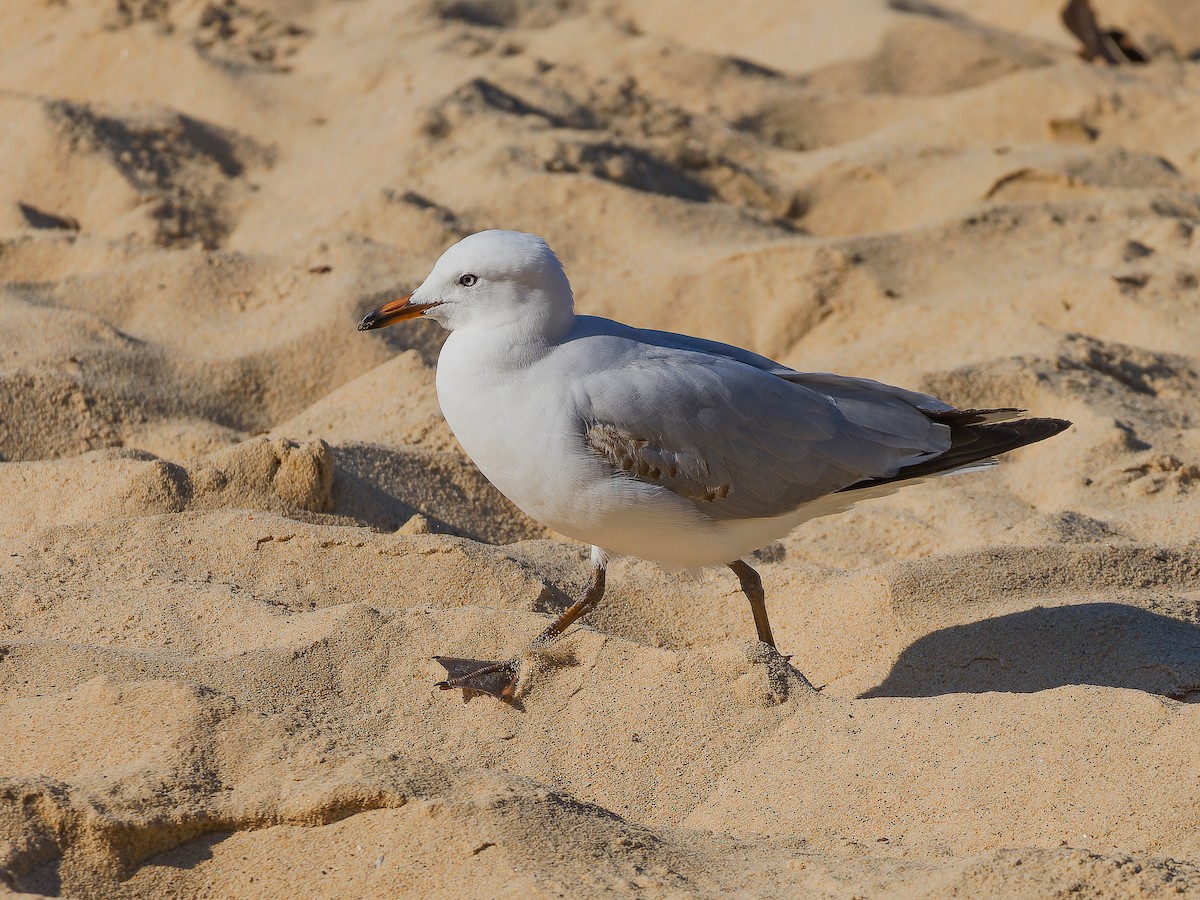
(687, 452)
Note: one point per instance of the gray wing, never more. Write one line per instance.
(741, 441)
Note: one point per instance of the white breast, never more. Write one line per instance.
(520, 433)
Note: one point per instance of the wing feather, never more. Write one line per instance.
(740, 441)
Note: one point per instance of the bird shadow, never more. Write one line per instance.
(1108, 644)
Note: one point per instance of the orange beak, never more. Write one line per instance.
(394, 311)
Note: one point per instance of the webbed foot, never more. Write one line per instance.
(782, 676)
(499, 679)
(479, 676)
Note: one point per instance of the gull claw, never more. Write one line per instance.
(480, 676)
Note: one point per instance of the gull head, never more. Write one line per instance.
(489, 280)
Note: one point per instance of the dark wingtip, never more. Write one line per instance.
(1019, 433)
(972, 444)
(1050, 427)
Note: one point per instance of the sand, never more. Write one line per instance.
(234, 531)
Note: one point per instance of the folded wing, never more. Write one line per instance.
(742, 442)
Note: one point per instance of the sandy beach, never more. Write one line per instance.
(234, 531)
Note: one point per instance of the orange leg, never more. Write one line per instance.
(753, 589)
(499, 679)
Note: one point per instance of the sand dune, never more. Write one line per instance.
(235, 530)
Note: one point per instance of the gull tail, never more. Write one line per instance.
(976, 436)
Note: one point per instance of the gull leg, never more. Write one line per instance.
(753, 589)
(576, 610)
(779, 670)
(499, 679)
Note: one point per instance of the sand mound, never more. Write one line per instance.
(258, 474)
(234, 530)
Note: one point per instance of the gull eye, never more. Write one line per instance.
(467, 280)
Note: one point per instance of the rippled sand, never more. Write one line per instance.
(233, 530)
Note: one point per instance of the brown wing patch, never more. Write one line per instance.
(686, 476)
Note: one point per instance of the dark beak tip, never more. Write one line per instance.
(367, 323)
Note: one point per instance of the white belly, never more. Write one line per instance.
(527, 437)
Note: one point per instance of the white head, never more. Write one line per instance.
(493, 279)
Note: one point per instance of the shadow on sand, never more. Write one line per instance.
(1107, 644)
